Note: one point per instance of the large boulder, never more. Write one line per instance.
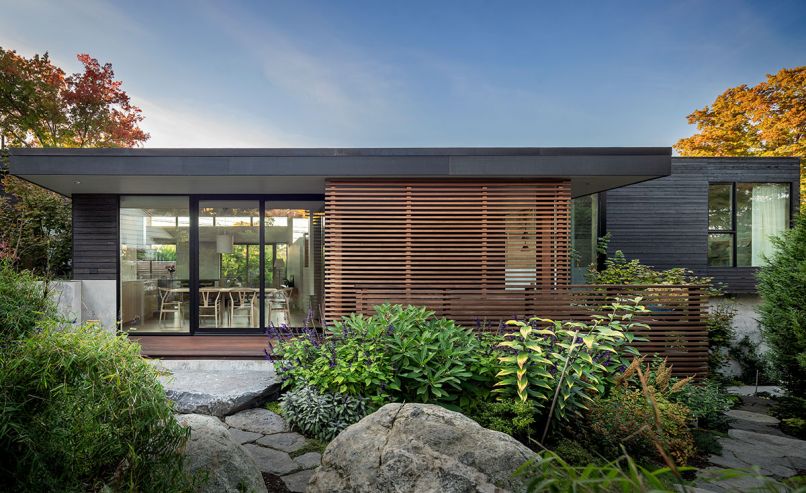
(218, 387)
(416, 448)
(213, 454)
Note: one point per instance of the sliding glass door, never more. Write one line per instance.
(214, 264)
(228, 257)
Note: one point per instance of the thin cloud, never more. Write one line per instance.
(347, 86)
(173, 124)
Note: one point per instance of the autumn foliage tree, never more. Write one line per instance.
(42, 106)
(768, 119)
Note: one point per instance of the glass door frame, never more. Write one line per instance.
(194, 257)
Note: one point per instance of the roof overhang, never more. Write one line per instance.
(304, 171)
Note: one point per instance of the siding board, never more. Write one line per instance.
(95, 236)
(664, 222)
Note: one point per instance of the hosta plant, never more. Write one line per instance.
(563, 364)
(321, 415)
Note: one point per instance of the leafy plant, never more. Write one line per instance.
(782, 286)
(399, 353)
(81, 410)
(752, 363)
(321, 415)
(719, 323)
(566, 363)
(35, 225)
(626, 418)
(619, 270)
(24, 302)
(707, 403)
(574, 453)
(513, 417)
(550, 473)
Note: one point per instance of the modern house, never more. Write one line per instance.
(714, 216)
(229, 241)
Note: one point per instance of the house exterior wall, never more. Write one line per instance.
(664, 222)
(470, 250)
(95, 237)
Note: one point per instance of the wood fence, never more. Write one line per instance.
(676, 313)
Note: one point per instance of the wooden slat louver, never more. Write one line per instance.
(481, 244)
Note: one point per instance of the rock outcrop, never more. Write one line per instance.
(418, 448)
(222, 464)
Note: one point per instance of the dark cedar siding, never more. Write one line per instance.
(95, 236)
(664, 222)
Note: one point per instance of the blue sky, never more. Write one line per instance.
(376, 74)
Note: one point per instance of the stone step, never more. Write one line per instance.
(218, 387)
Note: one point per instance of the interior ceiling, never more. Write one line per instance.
(181, 185)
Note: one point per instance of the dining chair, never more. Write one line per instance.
(169, 303)
(209, 300)
(278, 301)
(243, 299)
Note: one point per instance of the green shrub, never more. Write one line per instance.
(574, 453)
(513, 417)
(24, 303)
(719, 323)
(707, 403)
(80, 409)
(550, 473)
(627, 418)
(321, 415)
(400, 353)
(751, 363)
(564, 364)
(707, 442)
(782, 286)
(795, 427)
(619, 270)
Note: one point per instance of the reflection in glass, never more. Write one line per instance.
(154, 294)
(229, 263)
(720, 250)
(762, 211)
(720, 206)
(584, 235)
(290, 274)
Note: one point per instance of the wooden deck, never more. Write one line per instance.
(203, 346)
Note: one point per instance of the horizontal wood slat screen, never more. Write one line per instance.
(676, 313)
(479, 241)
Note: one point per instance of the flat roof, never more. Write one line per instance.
(305, 170)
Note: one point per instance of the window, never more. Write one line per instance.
(584, 235)
(742, 217)
(154, 295)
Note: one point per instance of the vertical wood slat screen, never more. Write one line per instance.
(482, 244)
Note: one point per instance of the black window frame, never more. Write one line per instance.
(193, 259)
(733, 229)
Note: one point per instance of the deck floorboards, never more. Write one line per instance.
(202, 346)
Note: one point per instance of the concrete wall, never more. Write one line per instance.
(81, 301)
(67, 295)
(744, 324)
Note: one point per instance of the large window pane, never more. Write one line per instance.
(720, 250)
(762, 211)
(290, 273)
(584, 222)
(229, 263)
(154, 295)
(720, 206)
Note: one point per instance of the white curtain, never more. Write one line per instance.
(770, 206)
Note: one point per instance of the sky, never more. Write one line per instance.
(416, 74)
